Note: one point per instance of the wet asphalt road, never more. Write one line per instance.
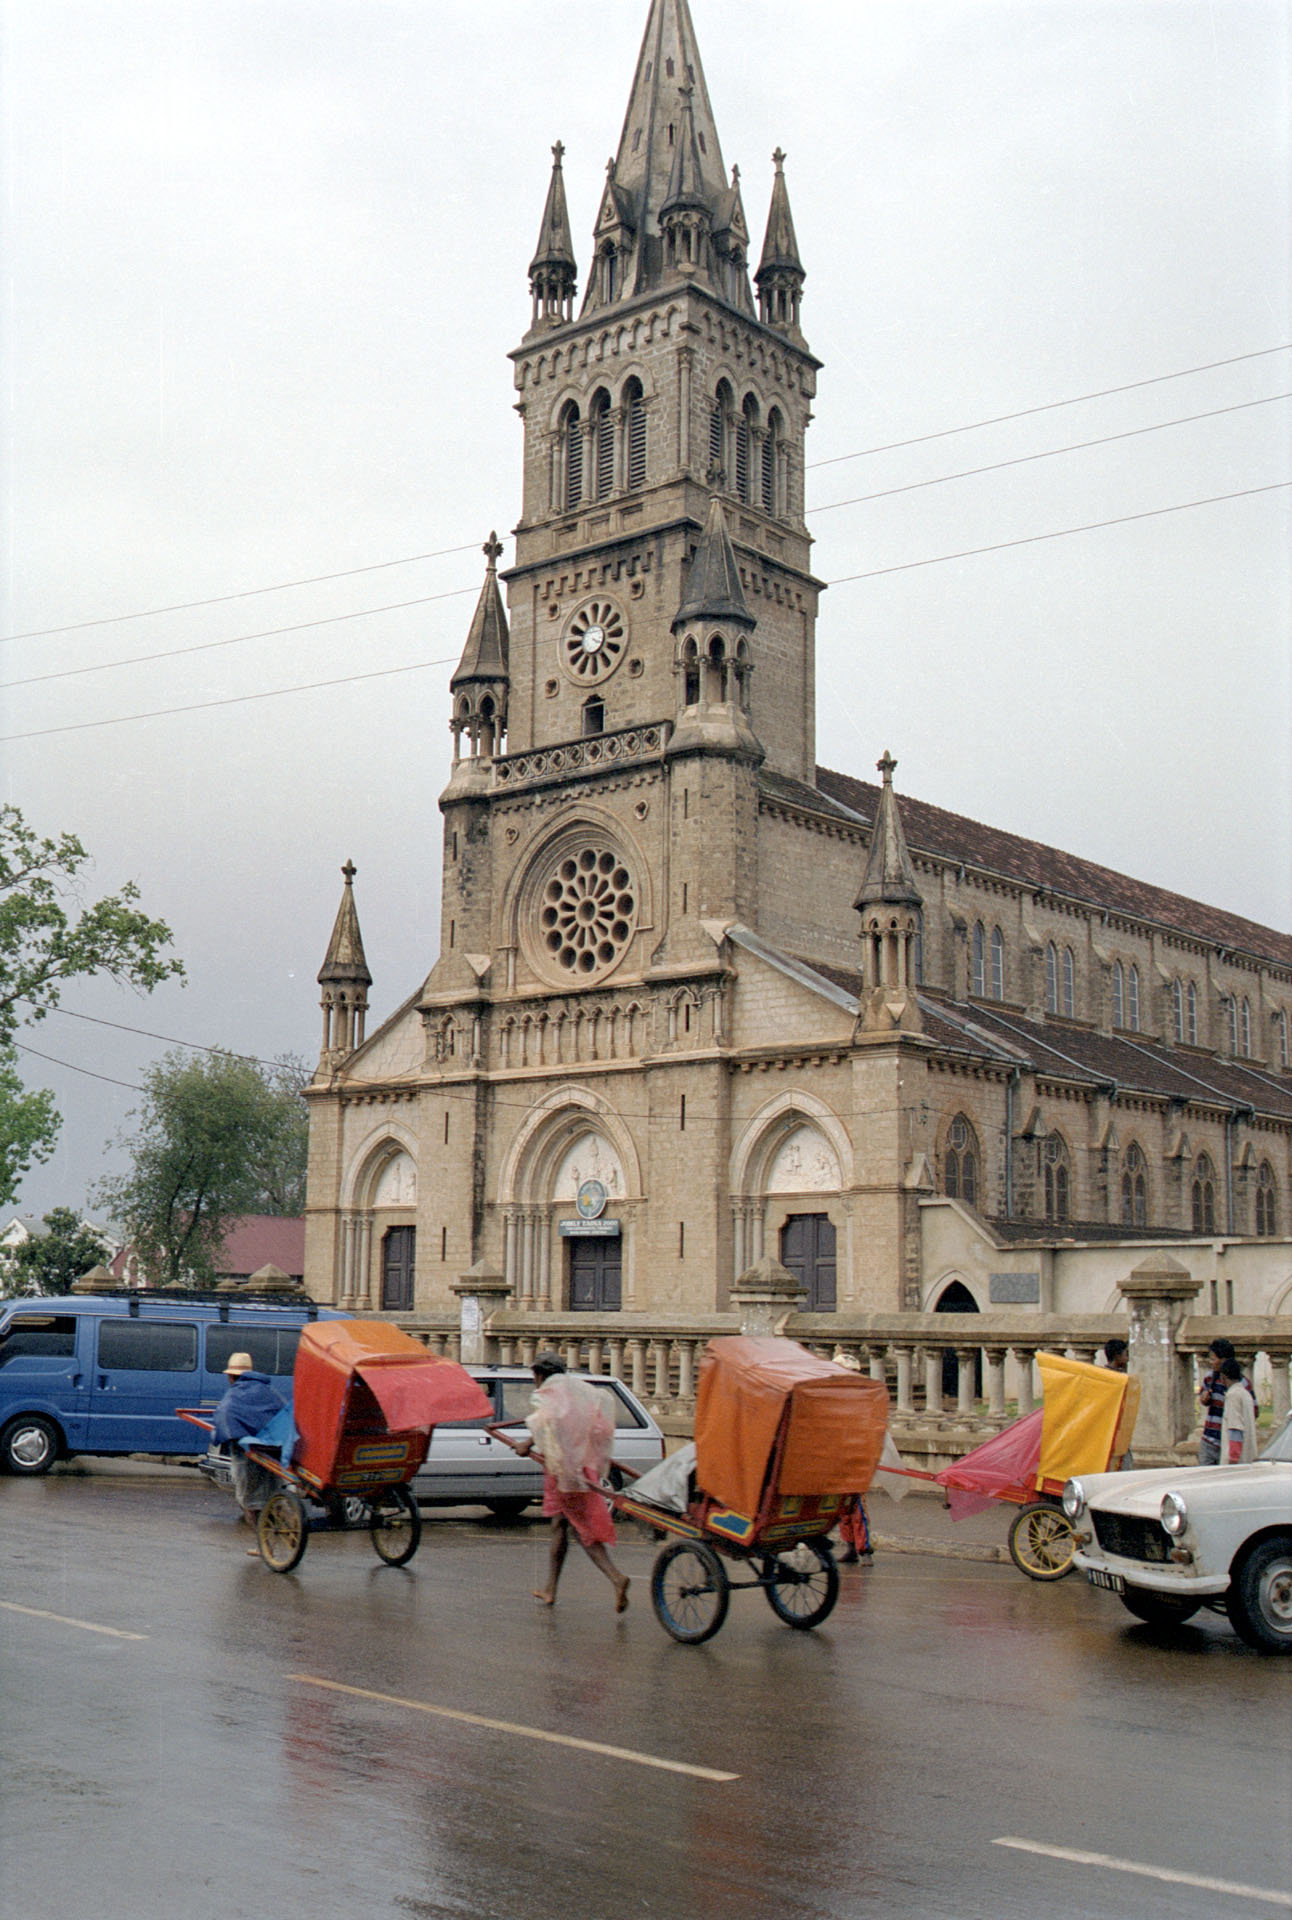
(191, 1763)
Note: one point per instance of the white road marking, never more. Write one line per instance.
(1233, 1889)
(524, 1733)
(65, 1620)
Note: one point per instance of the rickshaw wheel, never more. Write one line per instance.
(1042, 1542)
(689, 1591)
(283, 1533)
(396, 1525)
(801, 1597)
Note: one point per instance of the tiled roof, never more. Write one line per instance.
(1081, 1055)
(261, 1239)
(953, 837)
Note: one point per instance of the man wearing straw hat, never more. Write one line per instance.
(247, 1404)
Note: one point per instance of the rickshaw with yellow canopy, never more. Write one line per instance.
(1083, 1425)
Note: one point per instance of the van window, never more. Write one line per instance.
(272, 1349)
(38, 1333)
(147, 1346)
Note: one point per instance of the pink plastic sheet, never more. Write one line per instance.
(1003, 1468)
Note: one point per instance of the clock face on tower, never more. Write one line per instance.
(594, 642)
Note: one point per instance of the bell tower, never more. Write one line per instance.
(669, 388)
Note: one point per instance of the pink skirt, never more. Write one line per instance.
(586, 1511)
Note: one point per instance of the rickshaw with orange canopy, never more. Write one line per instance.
(365, 1396)
(783, 1441)
(1083, 1425)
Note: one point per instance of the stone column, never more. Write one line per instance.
(1160, 1292)
(481, 1289)
(765, 1295)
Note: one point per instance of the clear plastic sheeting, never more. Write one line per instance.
(573, 1430)
(890, 1474)
(668, 1485)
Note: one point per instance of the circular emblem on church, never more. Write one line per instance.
(590, 1200)
(594, 641)
(587, 912)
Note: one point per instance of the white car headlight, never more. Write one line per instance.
(1074, 1499)
(1175, 1515)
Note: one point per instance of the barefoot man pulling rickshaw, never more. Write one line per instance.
(570, 1433)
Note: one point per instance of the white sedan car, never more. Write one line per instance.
(1175, 1539)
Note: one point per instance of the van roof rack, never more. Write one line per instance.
(207, 1297)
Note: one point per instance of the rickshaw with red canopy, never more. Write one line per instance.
(784, 1440)
(365, 1397)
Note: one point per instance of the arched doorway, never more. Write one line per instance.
(956, 1298)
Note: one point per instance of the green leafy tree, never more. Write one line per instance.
(219, 1136)
(50, 1262)
(48, 936)
(29, 1124)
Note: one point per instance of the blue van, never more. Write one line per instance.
(104, 1373)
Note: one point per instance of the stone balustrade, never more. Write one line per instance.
(954, 1379)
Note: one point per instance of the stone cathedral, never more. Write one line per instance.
(699, 1000)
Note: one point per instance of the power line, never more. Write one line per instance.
(1059, 533)
(233, 700)
(377, 566)
(420, 666)
(169, 1039)
(1026, 413)
(1022, 459)
(399, 606)
(38, 1055)
(235, 640)
(244, 593)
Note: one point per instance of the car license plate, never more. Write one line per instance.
(1100, 1577)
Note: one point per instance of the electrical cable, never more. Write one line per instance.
(1050, 406)
(235, 640)
(841, 580)
(1023, 459)
(220, 599)
(1059, 533)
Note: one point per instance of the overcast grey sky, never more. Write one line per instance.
(264, 262)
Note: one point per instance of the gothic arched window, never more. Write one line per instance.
(746, 432)
(718, 418)
(978, 961)
(960, 1162)
(1204, 1195)
(1266, 1202)
(1191, 1008)
(772, 444)
(1134, 1187)
(572, 457)
(1058, 1179)
(1245, 1027)
(1231, 1014)
(1051, 977)
(1177, 1009)
(1119, 994)
(602, 422)
(635, 427)
(1132, 999)
(997, 964)
(1281, 1038)
(1069, 982)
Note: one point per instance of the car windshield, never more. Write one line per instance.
(1279, 1445)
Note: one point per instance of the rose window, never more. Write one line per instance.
(594, 642)
(587, 912)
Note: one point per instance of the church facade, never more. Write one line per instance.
(698, 999)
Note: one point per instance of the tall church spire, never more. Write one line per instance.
(780, 274)
(480, 685)
(553, 272)
(890, 905)
(669, 157)
(345, 980)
